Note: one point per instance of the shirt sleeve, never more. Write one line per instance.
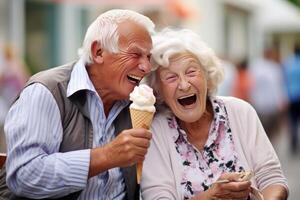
(255, 145)
(266, 165)
(35, 167)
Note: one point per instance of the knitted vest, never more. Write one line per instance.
(76, 123)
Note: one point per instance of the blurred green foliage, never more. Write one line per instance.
(295, 2)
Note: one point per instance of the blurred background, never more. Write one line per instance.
(258, 41)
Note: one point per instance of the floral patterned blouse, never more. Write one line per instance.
(202, 168)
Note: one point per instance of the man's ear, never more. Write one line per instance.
(97, 52)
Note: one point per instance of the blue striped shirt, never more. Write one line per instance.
(33, 129)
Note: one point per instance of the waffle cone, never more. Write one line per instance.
(140, 119)
(139, 167)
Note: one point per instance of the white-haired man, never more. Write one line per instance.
(68, 134)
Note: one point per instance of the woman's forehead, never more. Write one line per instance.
(184, 58)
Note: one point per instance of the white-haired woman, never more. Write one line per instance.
(202, 143)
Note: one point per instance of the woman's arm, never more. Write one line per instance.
(158, 179)
(275, 192)
(256, 147)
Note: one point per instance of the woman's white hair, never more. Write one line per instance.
(104, 31)
(170, 42)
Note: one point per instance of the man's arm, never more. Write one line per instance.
(128, 148)
(35, 168)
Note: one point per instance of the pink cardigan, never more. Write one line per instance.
(162, 172)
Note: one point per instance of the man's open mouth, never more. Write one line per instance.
(187, 100)
(134, 79)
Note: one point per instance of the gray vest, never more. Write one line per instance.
(77, 127)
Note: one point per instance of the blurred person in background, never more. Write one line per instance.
(200, 139)
(243, 82)
(13, 76)
(268, 94)
(3, 105)
(230, 73)
(292, 79)
(69, 133)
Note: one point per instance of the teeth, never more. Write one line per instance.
(186, 96)
(135, 77)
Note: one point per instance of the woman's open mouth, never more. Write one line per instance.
(187, 100)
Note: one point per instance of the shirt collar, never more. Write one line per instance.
(79, 79)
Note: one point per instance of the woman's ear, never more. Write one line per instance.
(97, 52)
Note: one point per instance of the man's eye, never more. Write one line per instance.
(136, 55)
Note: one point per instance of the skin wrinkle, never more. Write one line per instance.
(197, 84)
(117, 66)
(173, 81)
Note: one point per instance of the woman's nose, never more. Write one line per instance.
(184, 84)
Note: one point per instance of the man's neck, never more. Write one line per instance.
(105, 94)
(107, 103)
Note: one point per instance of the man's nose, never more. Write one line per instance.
(145, 66)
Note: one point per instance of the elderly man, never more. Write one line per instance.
(68, 134)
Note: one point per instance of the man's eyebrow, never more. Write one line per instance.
(140, 49)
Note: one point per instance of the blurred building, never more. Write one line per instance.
(239, 29)
(49, 32)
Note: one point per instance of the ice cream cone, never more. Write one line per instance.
(140, 119)
(142, 110)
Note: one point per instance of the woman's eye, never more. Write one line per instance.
(170, 78)
(191, 72)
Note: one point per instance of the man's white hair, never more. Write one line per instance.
(171, 42)
(104, 31)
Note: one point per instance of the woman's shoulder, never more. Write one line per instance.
(162, 116)
(163, 122)
(235, 104)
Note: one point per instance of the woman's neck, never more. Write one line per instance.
(197, 132)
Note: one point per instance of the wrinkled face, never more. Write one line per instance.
(125, 69)
(183, 87)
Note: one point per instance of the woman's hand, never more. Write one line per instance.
(228, 186)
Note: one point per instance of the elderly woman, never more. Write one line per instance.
(200, 141)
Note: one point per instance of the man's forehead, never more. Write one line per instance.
(140, 48)
(135, 44)
(134, 36)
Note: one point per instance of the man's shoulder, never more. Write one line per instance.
(56, 74)
(53, 76)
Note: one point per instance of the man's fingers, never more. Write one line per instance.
(140, 133)
(141, 142)
(141, 151)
